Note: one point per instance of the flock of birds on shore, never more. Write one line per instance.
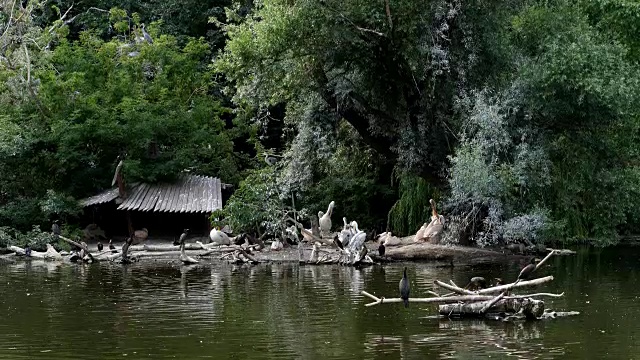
(350, 240)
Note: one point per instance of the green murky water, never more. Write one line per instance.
(159, 311)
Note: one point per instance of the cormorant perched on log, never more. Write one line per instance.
(381, 249)
(138, 237)
(55, 229)
(336, 240)
(27, 250)
(476, 283)
(111, 246)
(404, 288)
(100, 247)
(527, 270)
(182, 238)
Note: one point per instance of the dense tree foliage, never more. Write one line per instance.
(520, 118)
(527, 109)
(71, 107)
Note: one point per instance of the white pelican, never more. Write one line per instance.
(324, 219)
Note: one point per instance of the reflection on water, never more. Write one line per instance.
(161, 311)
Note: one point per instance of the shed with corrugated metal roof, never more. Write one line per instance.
(190, 194)
(167, 207)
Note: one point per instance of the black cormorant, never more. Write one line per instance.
(404, 288)
(381, 249)
(527, 270)
(55, 229)
(111, 246)
(100, 247)
(182, 238)
(27, 250)
(338, 243)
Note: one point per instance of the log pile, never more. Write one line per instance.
(496, 302)
(237, 253)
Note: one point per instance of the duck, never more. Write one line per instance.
(324, 219)
(219, 237)
(404, 288)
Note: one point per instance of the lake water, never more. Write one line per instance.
(155, 310)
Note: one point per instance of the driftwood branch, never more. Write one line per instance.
(452, 299)
(495, 289)
(81, 246)
(492, 302)
(454, 288)
(549, 255)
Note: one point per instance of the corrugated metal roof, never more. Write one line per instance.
(101, 198)
(191, 193)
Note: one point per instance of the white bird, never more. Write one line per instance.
(324, 219)
(357, 242)
(434, 228)
(353, 227)
(269, 159)
(276, 245)
(345, 235)
(420, 234)
(219, 237)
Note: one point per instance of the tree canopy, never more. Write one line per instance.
(520, 117)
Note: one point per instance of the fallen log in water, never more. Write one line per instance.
(495, 289)
(50, 254)
(529, 307)
(465, 303)
(451, 299)
(80, 245)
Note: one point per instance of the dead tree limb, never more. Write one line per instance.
(81, 246)
(452, 299)
(531, 308)
(495, 289)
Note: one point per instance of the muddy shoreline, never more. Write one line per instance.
(438, 255)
